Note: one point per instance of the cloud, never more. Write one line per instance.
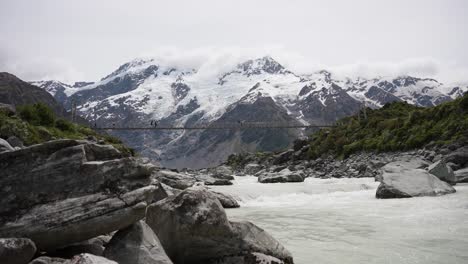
(211, 62)
(38, 68)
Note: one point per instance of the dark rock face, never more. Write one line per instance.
(14, 91)
(136, 244)
(381, 96)
(16, 250)
(193, 228)
(67, 191)
(403, 180)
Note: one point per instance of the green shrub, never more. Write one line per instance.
(38, 114)
(64, 125)
(395, 126)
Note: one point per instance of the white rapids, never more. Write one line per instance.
(341, 221)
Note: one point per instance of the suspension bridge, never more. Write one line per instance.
(218, 126)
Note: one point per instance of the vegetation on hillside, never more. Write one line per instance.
(37, 123)
(395, 126)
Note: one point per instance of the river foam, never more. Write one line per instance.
(341, 221)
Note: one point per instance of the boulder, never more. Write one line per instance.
(462, 175)
(283, 176)
(252, 168)
(67, 191)
(283, 157)
(94, 246)
(442, 171)
(193, 228)
(411, 163)
(78, 259)
(89, 259)
(458, 157)
(15, 142)
(211, 180)
(226, 200)
(164, 191)
(62, 169)
(16, 250)
(5, 146)
(226, 170)
(402, 181)
(136, 244)
(174, 179)
(55, 225)
(49, 260)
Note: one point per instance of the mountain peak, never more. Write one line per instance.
(257, 66)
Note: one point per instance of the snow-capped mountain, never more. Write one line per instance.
(263, 90)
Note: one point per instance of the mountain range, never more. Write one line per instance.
(143, 90)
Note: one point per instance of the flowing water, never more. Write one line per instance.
(341, 221)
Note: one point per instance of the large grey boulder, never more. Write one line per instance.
(402, 181)
(442, 171)
(5, 146)
(404, 162)
(284, 175)
(94, 246)
(226, 200)
(215, 179)
(462, 175)
(252, 168)
(193, 228)
(55, 225)
(67, 191)
(136, 244)
(16, 250)
(174, 179)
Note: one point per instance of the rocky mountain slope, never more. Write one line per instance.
(14, 91)
(263, 90)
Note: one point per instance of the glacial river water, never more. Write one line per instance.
(340, 221)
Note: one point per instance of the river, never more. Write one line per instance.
(341, 221)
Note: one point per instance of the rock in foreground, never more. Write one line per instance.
(67, 191)
(136, 244)
(443, 172)
(16, 250)
(193, 228)
(400, 181)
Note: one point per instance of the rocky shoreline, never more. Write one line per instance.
(77, 201)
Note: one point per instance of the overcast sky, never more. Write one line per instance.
(87, 39)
